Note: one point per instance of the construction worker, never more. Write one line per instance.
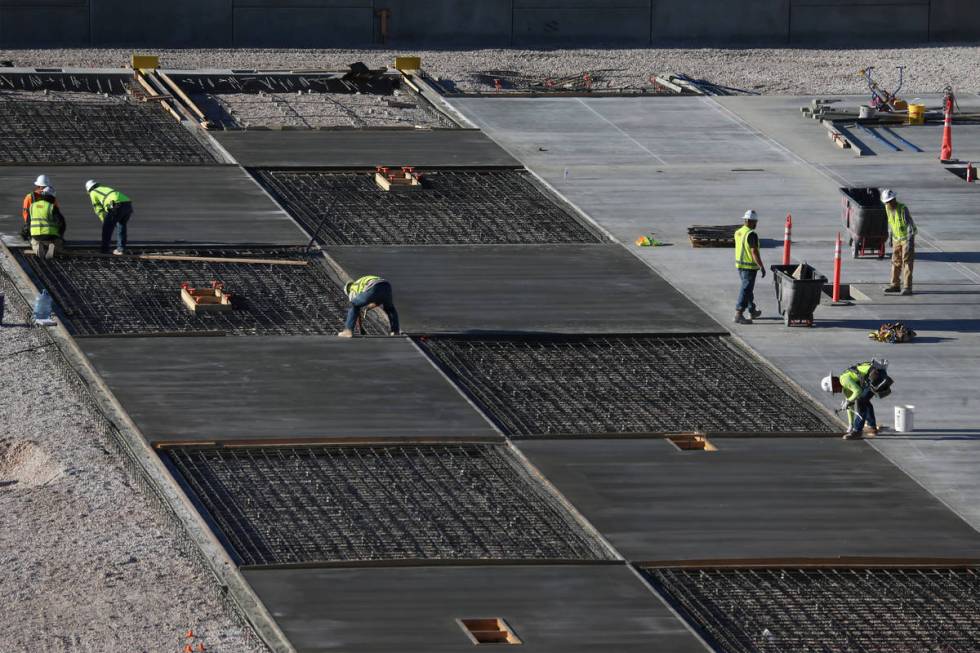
(903, 230)
(748, 262)
(114, 210)
(368, 293)
(46, 225)
(859, 384)
(42, 182)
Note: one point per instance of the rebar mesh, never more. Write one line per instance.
(277, 505)
(104, 295)
(590, 385)
(102, 131)
(885, 610)
(476, 207)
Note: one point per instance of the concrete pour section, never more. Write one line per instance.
(525, 288)
(282, 388)
(627, 174)
(213, 205)
(552, 609)
(754, 498)
(364, 148)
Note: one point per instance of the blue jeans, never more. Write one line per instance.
(380, 294)
(116, 220)
(746, 295)
(863, 412)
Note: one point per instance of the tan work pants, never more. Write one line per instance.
(47, 248)
(903, 256)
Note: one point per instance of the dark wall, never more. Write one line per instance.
(482, 23)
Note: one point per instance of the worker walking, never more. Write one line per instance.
(748, 262)
(903, 230)
(860, 383)
(46, 225)
(42, 182)
(114, 210)
(368, 293)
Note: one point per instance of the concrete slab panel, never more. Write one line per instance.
(559, 609)
(364, 148)
(623, 22)
(303, 27)
(460, 22)
(525, 288)
(821, 22)
(281, 389)
(754, 498)
(64, 25)
(176, 23)
(723, 21)
(170, 205)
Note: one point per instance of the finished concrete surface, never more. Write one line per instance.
(282, 388)
(364, 148)
(553, 609)
(212, 205)
(754, 498)
(525, 288)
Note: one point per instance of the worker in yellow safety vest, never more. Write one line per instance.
(860, 383)
(748, 262)
(902, 229)
(367, 293)
(114, 210)
(46, 225)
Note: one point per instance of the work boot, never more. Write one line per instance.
(852, 435)
(118, 251)
(892, 289)
(755, 314)
(906, 291)
(871, 430)
(741, 319)
(346, 333)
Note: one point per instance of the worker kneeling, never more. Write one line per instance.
(46, 225)
(860, 383)
(368, 293)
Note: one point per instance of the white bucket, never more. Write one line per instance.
(903, 418)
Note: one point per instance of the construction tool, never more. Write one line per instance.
(880, 98)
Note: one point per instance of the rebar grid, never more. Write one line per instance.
(590, 385)
(113, 83)
(126, 294)
(110, 132)
(461, 207)
(886, 610)
(279, 505)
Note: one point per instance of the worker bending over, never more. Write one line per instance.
(860, 383)
(114, 210)
(748, 262)
(368, 293)
(40, 184)
(46, 225)
(903, 230)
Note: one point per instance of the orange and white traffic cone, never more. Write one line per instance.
(947, 152)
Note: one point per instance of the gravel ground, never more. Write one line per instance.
(87, 563)
(765, 70)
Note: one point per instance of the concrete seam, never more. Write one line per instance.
(673, 611)
(617, 128)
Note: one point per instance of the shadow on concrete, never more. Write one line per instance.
(949, 257)
(919, 326)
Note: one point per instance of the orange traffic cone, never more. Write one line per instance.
(947, 152)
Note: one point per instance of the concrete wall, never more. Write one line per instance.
(482, 23)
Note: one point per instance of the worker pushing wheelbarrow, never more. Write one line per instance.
(864, 218)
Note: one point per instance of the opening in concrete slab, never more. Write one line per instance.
(797, 610)
(275, 291)
(464, 206)
(564, 385)
(489, 631)
(315, 504)
(691, 442)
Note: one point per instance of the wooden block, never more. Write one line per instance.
(408, 63)
(144, 61)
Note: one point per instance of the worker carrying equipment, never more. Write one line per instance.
(860, 383)
(46, 225)
(40, 184)
(903, 231)
(114, 210)
(368, 293)
(748, 262)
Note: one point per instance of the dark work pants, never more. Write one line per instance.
(116, 219)
(864, 412)
(379, 294)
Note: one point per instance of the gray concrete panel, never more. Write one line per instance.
(355, 148)
(544, 22)
(725, 21)
(553, 609)
(515, 288)
(460, 22)
(175, 23)
(194, 205)
(303, 26)
(754, 498)
(829, 21)
(28, 26)
(281, 388)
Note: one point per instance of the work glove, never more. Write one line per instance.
(25, 232)
(845, 404)
(763, 271)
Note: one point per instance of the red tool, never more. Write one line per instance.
(836, 296)
(787, 238)
(971, 173)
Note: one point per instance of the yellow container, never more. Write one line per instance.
(408, 63)
(917, 114)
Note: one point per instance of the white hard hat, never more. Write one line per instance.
(42, 180)
(47, 190)
(880, 364)
(827, 383)
(887, 195)
(90, 184)
(750, 215)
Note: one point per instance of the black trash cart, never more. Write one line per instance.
(864, 218)
(797, 297)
